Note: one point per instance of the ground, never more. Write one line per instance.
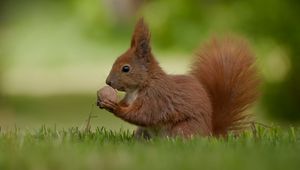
(73, 148)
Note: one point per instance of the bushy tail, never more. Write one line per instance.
(226, 69)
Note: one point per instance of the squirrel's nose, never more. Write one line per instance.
(108, 82)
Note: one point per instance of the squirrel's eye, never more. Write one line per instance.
(125, 69)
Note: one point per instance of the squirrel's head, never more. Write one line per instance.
(131, 69)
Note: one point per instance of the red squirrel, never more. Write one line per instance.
(210, 100)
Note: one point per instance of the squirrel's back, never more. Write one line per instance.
(225, 67)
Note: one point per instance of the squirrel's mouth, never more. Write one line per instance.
(122, 89)
(118, 88)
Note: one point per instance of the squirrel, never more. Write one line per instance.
(208, 101)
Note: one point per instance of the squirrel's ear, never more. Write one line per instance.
(141, 39)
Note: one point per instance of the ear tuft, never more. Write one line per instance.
(141, 38)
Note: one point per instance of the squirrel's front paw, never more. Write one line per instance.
(108, 105)
(99, 104)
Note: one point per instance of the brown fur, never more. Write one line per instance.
(226, 69)
(208, 101)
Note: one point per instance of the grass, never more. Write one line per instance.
(50, 148)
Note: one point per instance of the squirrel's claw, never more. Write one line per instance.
(108, 105)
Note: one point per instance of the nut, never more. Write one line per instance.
(107, 93)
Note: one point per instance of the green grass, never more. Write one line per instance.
(50, 148)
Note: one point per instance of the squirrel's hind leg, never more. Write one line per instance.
(188, 129)
(142, 133)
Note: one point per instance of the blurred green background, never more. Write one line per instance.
(55, 54)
